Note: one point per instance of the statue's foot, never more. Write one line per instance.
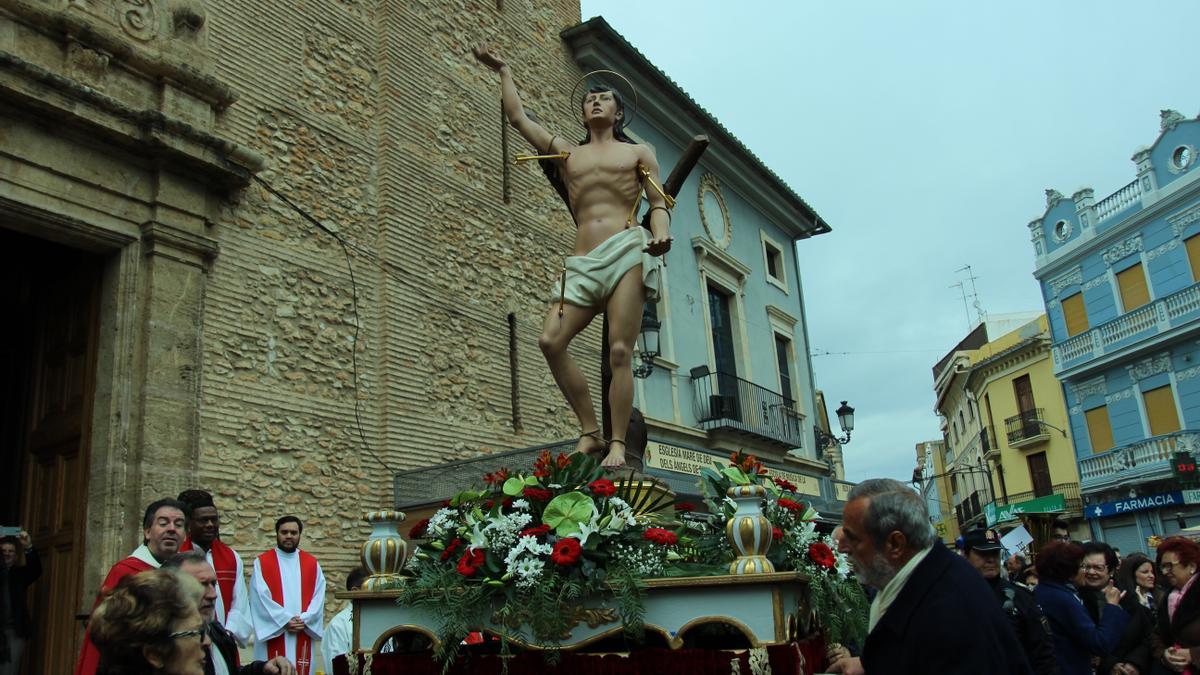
(590, 443)
(615, 458)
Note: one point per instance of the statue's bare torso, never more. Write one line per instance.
(602, 182)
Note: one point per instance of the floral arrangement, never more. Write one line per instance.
(523, 551)
(835, 596)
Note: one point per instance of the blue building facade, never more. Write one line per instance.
(1119, 278)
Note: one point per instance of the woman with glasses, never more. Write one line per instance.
(151, 623)
(1131, 656)
(1177, 635)
(1077, 638)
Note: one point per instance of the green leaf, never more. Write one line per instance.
(565, 512)
(736, 475)
(531, 480)
(514, 486)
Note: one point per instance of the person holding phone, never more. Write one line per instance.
(16, 575)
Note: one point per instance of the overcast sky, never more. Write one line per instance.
(925, 134)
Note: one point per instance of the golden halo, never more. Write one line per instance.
(630, 102)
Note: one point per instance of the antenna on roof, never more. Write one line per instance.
(980, 315)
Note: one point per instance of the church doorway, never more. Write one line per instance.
(50, 303)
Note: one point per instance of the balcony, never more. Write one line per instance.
(1158, 316)
(1026, 429)
(725, 402)
(990, 449)
(1069, 492)
(1141, 461)
(970, 510)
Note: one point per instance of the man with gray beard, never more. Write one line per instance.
(933, 612)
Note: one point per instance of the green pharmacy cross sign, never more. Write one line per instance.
(1048, 504)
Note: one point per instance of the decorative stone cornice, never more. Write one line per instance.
(1093, 387)
(178, 244)
(708, 255)
(1070, 278)
(1094, 282)
(1169, 119)
(780, 316)
(1126, 248)
(1161, 249)
(1053, 197)
(1120, 395)
(1155, 365)
(1179, 221)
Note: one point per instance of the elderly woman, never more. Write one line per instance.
(1177, 635)
(1076, 637)
(151, 623)
(1131, 656)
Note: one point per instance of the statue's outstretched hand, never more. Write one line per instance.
(487, 57)
(657, 246)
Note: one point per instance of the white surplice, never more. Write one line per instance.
(235, 618)
(270, 618)
(339, 633)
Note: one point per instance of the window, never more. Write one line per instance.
(720, 318)
(783, 348)
(1160, 410)
(1039, 474)
(970, 410)
(1075, 314)
(962, 425)
(774, 261)
(1099, 429)
(1193, 253)
(1134, 292)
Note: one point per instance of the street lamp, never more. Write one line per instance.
(845, 415)
(648, 345)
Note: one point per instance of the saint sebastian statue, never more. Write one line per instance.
(611, 269)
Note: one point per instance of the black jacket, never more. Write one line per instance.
(224, 647)
(18, 580)
(1134, 646)
(945, 620)
(1031, 627)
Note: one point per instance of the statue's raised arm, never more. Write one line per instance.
(533, 132)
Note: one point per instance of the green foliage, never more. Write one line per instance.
(567, 511)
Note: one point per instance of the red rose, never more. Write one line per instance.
(790, 505)
(784, 484)
(451, 548)
(418, 530)
(602, 488)
(566, 552)
(685, 506)
(821, 554)
(776, 534)
(535, 531)
(537, 494)
(470, 562)
(660, 536)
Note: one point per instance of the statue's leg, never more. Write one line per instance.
(624, 321)
(557, 333)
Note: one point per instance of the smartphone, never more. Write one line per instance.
(7, 531)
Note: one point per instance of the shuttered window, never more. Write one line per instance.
(1134, 292)
(1099, 429)
(1075, 314)
(1193, 251)
(1160, 410)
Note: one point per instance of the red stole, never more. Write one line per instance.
(268, 563)
(225, 564)
(89, 657)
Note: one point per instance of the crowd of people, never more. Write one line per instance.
(1076, 609)
(180, 603)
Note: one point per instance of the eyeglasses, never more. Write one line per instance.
(1094, 568)
(203, 631)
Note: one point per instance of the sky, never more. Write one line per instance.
(925, 134)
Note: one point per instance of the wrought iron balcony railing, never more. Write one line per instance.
(1069, 491)
(727, 402)
(1025, 428)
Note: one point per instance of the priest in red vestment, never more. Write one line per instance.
(163, 529)
(204, 533)
(287, 599)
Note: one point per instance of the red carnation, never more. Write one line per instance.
(566, 552)
(535, 531)
(790, 505)
(784, 484)
(418, 530)
(470, 563)
(776, 534)
(602, 488)
(660, 536)
(451, 548)
(821, 554)
(685, 506)
(538, 494)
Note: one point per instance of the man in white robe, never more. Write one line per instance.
(339, 633)
(287, 599)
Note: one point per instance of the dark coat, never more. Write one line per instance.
(224, 647)
(1032, 629)
(1134, 646)
(19, 579)
(1076, 637)
(1183, 630)
(945, 620)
